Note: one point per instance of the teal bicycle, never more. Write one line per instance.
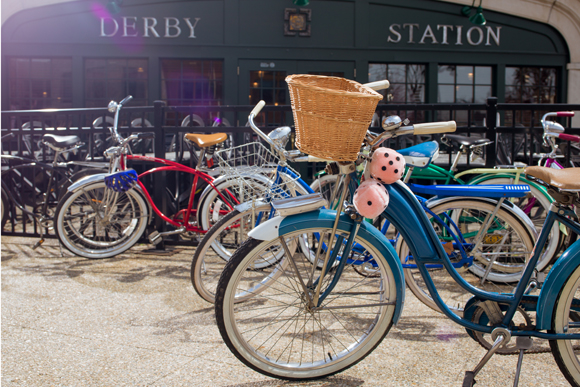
(299, 320)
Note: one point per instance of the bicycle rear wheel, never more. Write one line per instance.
(505, 247)
(274, 332)
(96, 222)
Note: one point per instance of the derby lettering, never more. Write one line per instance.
(148, 27)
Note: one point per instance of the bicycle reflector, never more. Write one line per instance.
(121, 181)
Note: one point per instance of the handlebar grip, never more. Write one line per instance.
(378, 85)
(258, 108)
(569, 137)
(565, 114)
(126, 99)
(435, 127)
(145, 135)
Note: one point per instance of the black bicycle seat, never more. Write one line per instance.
(61, 141)
(468, 141)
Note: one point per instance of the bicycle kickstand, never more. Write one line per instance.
(501, 337)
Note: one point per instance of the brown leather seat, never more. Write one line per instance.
(205, 140)
(566, 179)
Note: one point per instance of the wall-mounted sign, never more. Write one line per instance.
(444, 34)
(148, 27)
(296, 21)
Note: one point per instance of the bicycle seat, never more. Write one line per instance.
(420, 155)
(206, 140)
(564, 179)
(468, 141)
(60, 141)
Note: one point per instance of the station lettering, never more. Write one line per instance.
(148, 27)
(444, 34)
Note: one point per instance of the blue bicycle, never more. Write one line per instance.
(297, 320)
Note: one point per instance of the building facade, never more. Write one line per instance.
(81, 53)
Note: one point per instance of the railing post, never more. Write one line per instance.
(159, 178)
(491, 132)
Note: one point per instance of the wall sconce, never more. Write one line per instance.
(301, 3)
(114, 6)
(477, 18)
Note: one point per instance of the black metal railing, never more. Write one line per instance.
(515, 129)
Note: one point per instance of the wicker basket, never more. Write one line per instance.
(331, 115)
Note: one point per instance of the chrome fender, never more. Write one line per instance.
(280, 226)
(86, 181)
(507, 205)
(99, 177)
(556, 279)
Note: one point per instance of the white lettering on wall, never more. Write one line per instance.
(445, 27)
(444, 33)
(470, 39)
(149, 28)
(494, 36)
(395, 32)
(129, 26)
(428, 34)
(132, 26)
(411, 26)
(169, 27)
(103, 27)
(191, 27)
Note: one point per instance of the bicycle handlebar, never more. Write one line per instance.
(7, 136)
(378, 85)
(435, 127)
(569, 137)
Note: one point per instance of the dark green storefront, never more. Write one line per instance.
(234, 52)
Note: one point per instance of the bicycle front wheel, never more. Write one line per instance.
(565, 319)
(96, 222)
(493, 264)
(265, 320)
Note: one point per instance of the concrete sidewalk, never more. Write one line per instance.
(135, 320)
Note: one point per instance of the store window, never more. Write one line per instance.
(407, 86)
(271, 87)
(40, 83)
(192, 82)
(530, 84)
(464, 84)
(114, 79)
(407, 82)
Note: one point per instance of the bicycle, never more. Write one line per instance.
(295, 322)
(99, 220)
(535, 204)
(31, 189)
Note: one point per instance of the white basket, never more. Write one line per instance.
(253, 167)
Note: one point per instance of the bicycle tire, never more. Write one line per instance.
(364, 325)
(537, 214)
(563, 350)
(454, 296)
(213, 207)
(216, 249)
(85, 228)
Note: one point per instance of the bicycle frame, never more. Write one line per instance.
(187, 213)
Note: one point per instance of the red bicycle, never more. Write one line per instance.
(105, 214)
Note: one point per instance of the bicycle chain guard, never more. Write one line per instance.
(122, 181)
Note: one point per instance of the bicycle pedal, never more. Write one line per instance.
(155, 238)
(37, 244)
